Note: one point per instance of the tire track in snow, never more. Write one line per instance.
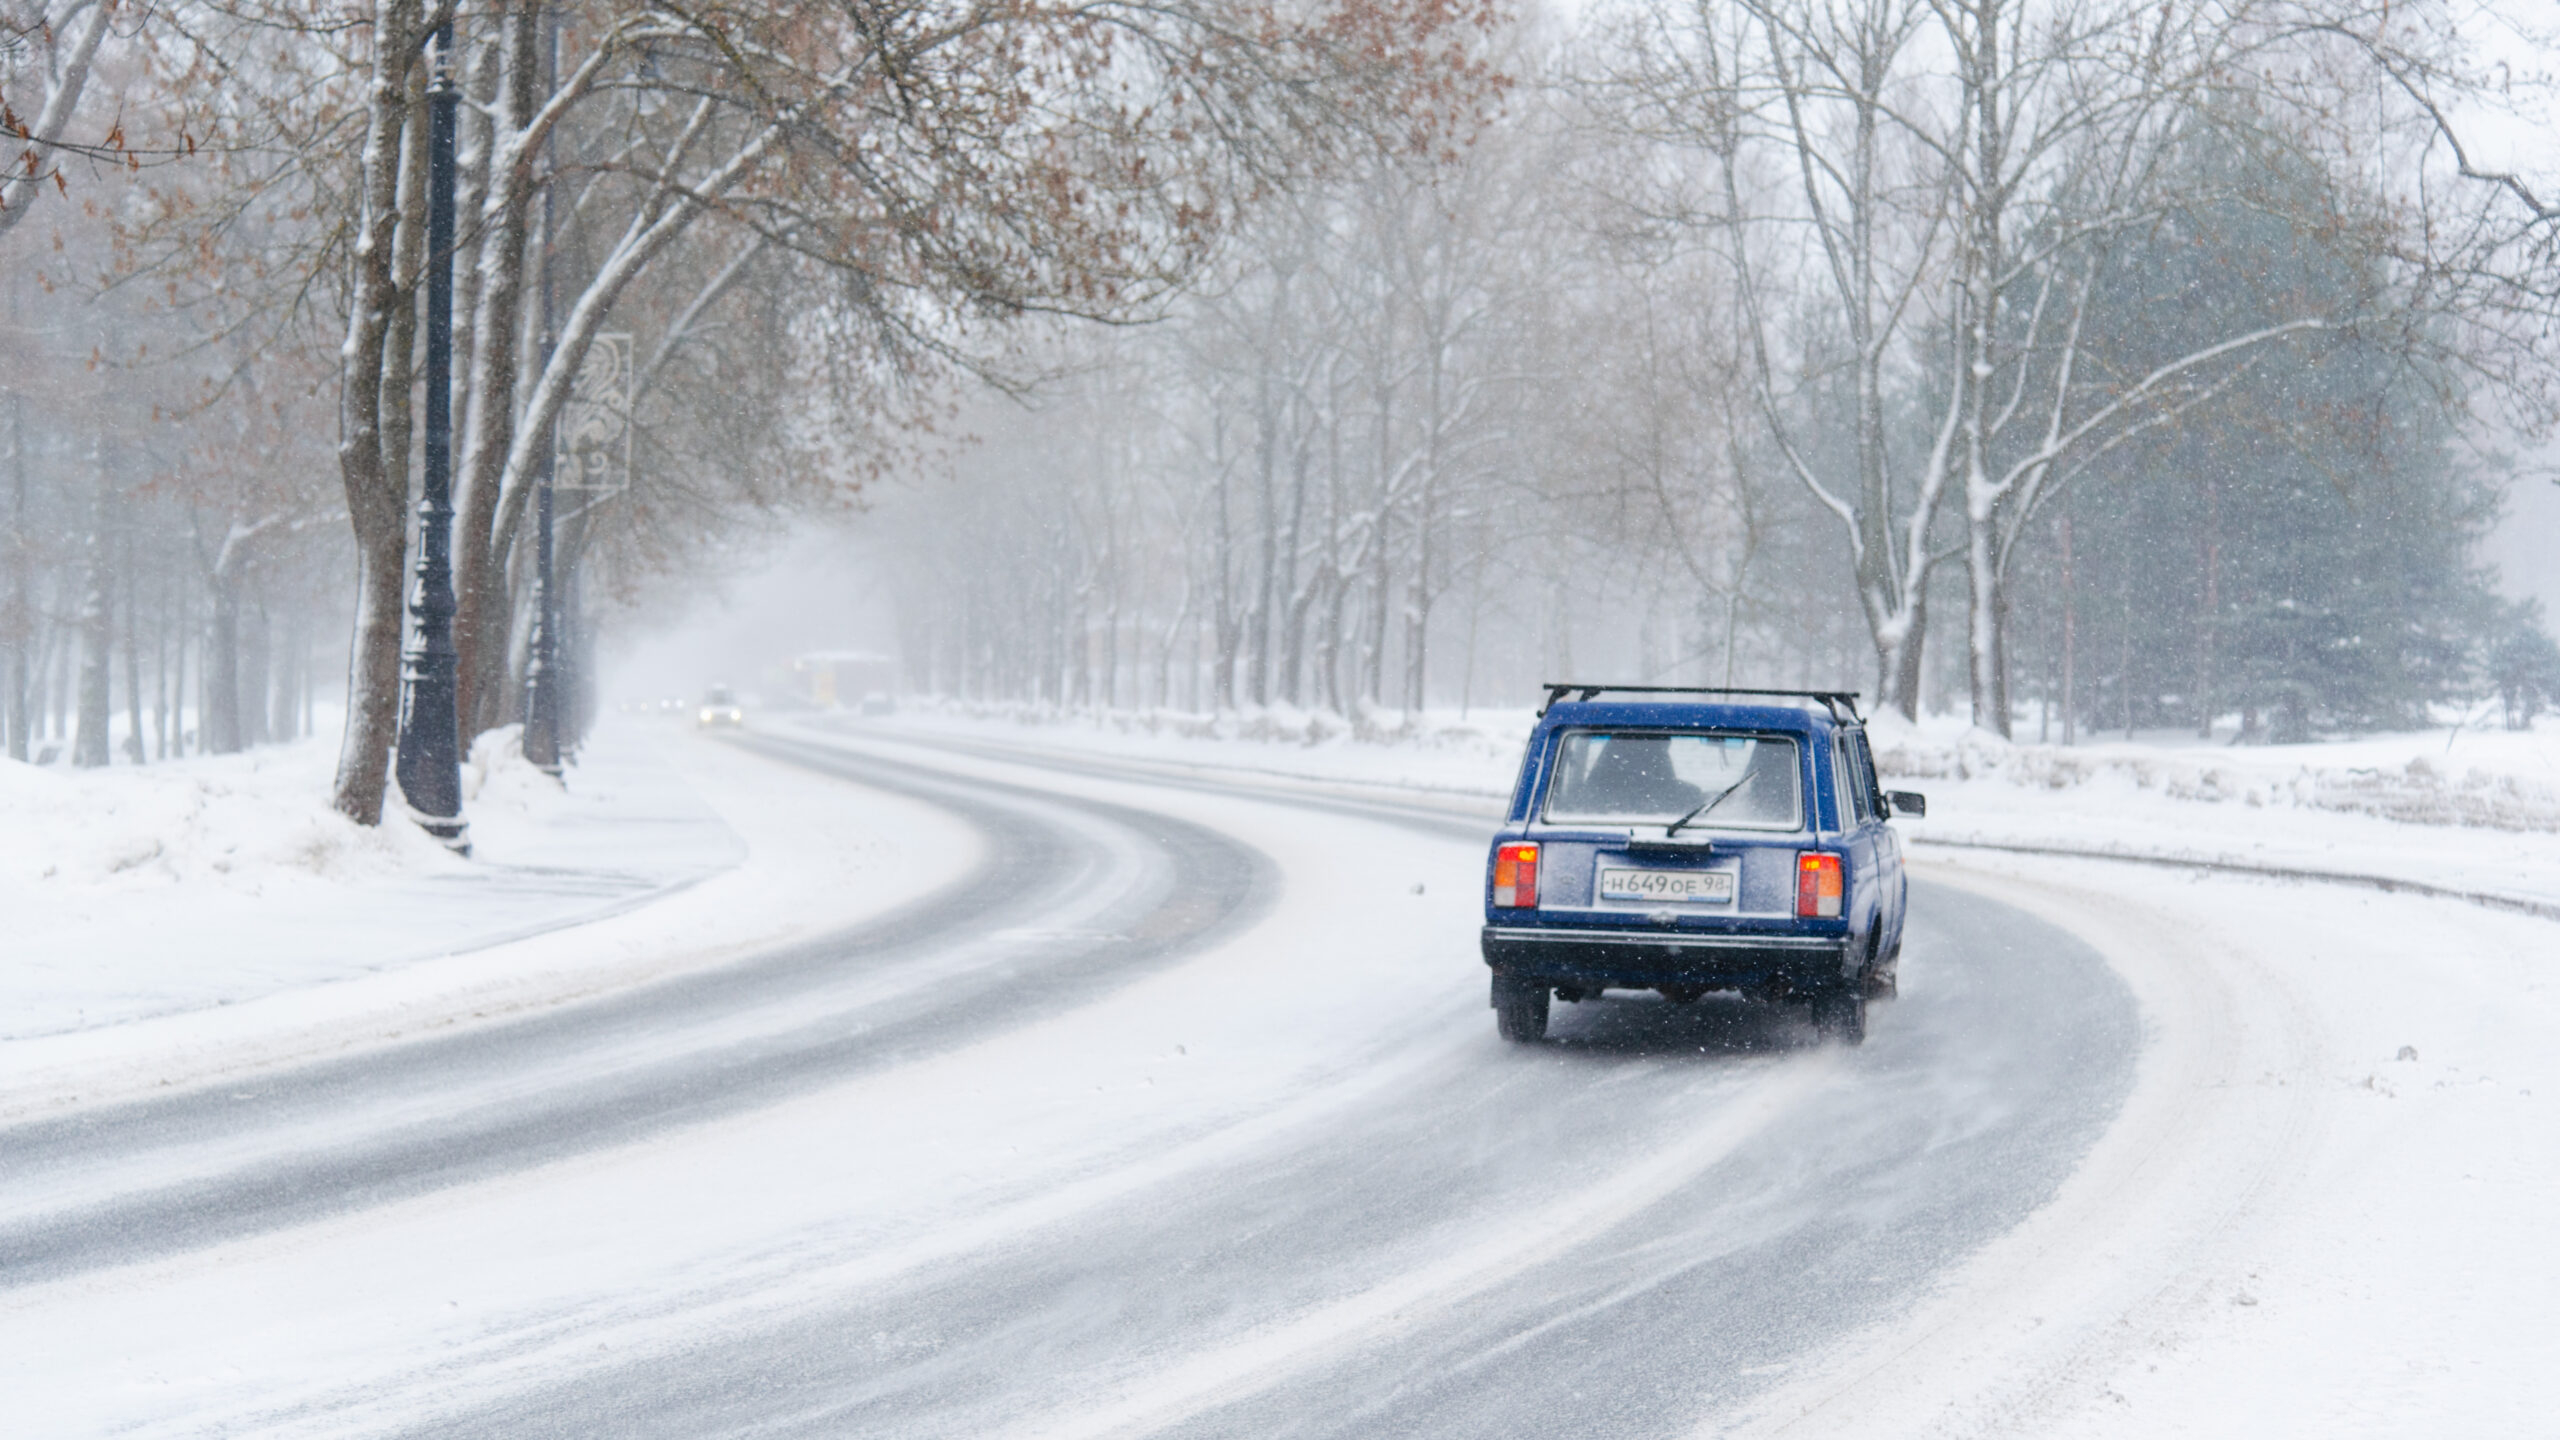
(1517, 1243)
(1220, 1279)
(1212, 1309)
(2211, 1143)
(1131, 889)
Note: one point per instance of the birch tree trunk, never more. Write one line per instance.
(1227, 623)
(376, 508)
(89, 747)
(480, 620)
(222, 735)
(257, 670)
(284, 676)
(18, 624)
(133, 745)
(408, 266)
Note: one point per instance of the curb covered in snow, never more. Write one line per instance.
(2545, 909)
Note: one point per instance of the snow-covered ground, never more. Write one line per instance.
(2323, 1209)
(2473, 812)
(184, 920)
(439, 1301)
(210, 881)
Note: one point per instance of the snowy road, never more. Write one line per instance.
(158, 1178)
(1180, 1113)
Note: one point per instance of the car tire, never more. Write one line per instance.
(1841, 1015)
(1520, 1012)
(1877, 980)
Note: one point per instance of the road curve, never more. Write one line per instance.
(1623, 1232)
(1070, 898)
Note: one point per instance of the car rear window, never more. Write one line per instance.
(1747, 781)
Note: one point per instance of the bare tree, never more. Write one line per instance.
(377, 495)
(55, 44)
(1020, 159)
(1920, 200)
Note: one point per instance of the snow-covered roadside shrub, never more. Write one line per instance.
(2425, 794)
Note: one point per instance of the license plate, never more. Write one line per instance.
(1703, 887)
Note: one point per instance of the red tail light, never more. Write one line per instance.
(1515, 877)
(1818, 885)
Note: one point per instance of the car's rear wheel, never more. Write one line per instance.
(1880, 981)
(1520, 1011)
(1841, 1015)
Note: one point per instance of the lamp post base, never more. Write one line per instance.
(451, 831)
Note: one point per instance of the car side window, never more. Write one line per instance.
(1858, 783)
(1855, 807)
(1870, 796)
(1840, 788)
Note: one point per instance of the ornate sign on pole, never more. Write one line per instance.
(595, 426)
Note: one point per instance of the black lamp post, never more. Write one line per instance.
(430, 760)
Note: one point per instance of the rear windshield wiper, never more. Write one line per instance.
(1674, 827)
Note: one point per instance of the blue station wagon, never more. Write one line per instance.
(1686, 841)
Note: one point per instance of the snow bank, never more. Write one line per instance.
(1476, 753)
(2475, 814)
(666, 853)
(2495, 779)
(142, 891)
(244, 823)
(255, 824)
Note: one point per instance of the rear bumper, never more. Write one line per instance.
(1642, 959)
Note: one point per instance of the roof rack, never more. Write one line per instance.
(1836, 701)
